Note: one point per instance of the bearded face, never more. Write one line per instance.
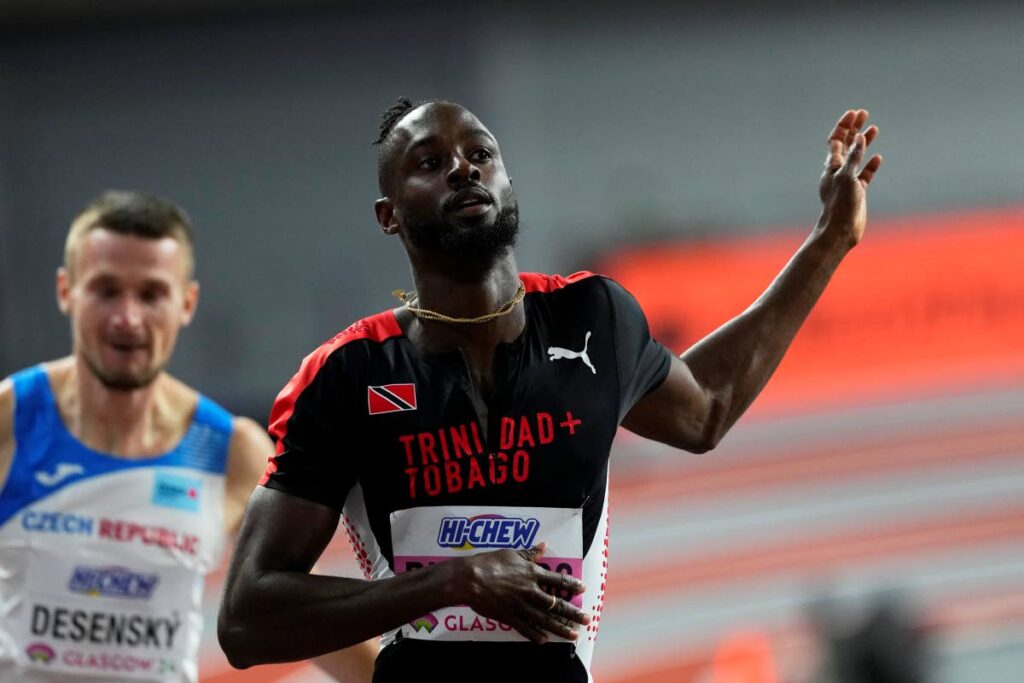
(449, 194)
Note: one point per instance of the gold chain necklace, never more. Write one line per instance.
(425, 313)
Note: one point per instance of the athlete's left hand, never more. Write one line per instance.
(843, 184)
(509, 586)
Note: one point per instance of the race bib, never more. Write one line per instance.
(427, 535)
(86, 615)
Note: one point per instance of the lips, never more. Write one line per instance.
(126, 346)
(468, 198)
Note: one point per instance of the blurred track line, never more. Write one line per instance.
(988, 610)
(994, 609)
(688, 481)
(691, 573)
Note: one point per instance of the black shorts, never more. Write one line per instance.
(467, 662)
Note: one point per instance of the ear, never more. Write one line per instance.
(63, 290)
(384, 208)
(190, 303)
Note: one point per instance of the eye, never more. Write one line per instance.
(106, 292)
(481, 154)
(153, 295)
(429, 164)
(149, 296)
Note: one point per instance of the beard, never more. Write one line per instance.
(472, 250)
(122, 381)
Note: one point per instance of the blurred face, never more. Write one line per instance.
(449, 191)
(127, 297)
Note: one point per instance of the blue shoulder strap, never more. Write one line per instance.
(205, 445)
(35, 409)
(35, 422)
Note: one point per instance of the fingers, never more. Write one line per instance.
(835, 155)
(844, 135)
(841, 130)
(854, 155)
(560, 608)
(553, 621)
(570, 613)
(560, 581)
(527, 623)
(535, 553)
(870, 169)
(860, 117)
(871, 133)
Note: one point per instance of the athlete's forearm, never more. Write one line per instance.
(283, 616)
(734, 363)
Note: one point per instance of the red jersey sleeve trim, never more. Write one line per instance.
(377, 327)
(537, 282)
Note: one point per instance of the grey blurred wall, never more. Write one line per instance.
(616, 123)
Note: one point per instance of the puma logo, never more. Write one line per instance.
(63, 471)
(558, 353)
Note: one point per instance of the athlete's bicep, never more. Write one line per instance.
(6, 428)
(676, 413)
(282, 532)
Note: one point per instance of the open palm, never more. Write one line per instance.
(843, 184)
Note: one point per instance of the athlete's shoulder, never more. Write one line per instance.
(249, 432)
(251, 448)
(378, 327)
(584, 291)
(6, 397)
(33, 385)
(6, 427)
(6, 411)
(546, 284)
(375, 329)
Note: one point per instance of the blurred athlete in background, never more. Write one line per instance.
(119, 484)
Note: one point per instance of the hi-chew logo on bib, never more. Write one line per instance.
(428, 535)
(176, 491)
(487, 531)
(113, 582)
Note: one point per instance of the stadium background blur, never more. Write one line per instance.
(870, 504)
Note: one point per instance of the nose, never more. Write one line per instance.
(462, 171)
(128, 314)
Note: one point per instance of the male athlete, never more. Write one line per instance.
(465, 436)
(118, 483)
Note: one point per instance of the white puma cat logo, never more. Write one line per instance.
(558, 353)
(63, 471)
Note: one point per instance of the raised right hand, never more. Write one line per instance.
(509, 585)
(844, 183)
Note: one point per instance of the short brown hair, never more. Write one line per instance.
(132, 213)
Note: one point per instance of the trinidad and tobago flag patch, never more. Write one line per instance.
(391, 398)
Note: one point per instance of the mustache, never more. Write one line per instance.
(461, 194)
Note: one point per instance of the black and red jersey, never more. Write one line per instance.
(389, 435)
